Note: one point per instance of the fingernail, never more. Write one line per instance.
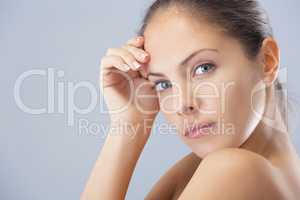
(143, 56)
(136, 65)
(138, 38)
(126, 67)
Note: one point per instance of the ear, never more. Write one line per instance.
(270, 56)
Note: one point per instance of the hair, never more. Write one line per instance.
(243, 20)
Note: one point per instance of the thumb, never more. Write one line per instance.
(144, 71)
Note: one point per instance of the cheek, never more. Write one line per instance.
(164, 103)
(167, 108)
(242, 106)
(237, 101)
(169, 102)
(207, 98)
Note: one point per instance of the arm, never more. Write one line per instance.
(172, 183)
(124, 85)
(112, 172)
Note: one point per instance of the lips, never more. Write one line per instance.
(198, 130)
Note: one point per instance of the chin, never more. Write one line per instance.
(218, 137)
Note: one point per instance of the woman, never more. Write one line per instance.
(211, 67)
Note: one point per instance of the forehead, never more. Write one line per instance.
(172, 36)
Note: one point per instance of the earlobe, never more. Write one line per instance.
(270, 54)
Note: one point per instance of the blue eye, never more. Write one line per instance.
(200, 69)
(204, 68)
(162, 85)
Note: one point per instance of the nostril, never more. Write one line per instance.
(191, 108)
(186, 110)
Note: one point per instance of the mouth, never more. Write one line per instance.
(199, 130)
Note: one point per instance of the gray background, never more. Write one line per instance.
(41, 156)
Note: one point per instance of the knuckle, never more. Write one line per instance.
(129, 41)
(132, 41)
(117, 59)
(102, 61)
(140, 51)
(134, 51)
(129, 58)
(106, 60)
(103, 64)
(126, 55)
(110, 51)
(129, 48)
(125, 46)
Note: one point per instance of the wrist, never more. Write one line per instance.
(131, 128)
(134, 119)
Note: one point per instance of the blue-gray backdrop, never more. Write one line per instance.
(49, 58)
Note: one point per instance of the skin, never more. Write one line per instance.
(251, 150)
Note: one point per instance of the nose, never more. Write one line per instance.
(187, 110)
(188, 107)
(188, 103)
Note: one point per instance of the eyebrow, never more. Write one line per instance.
(186, 60)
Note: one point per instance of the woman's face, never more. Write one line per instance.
(202, 76)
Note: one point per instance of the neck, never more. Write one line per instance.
(270, 138)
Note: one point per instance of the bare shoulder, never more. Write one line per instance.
(233, 173)
(237, 157)
(175, 178)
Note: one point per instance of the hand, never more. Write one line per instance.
(124, 83)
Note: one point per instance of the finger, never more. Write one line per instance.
(139, 54)
(128, 57)
(113, 61)
(143, 71)
(111, 64)
(137, 41)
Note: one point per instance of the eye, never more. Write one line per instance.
(203, 68)
(162, 85)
